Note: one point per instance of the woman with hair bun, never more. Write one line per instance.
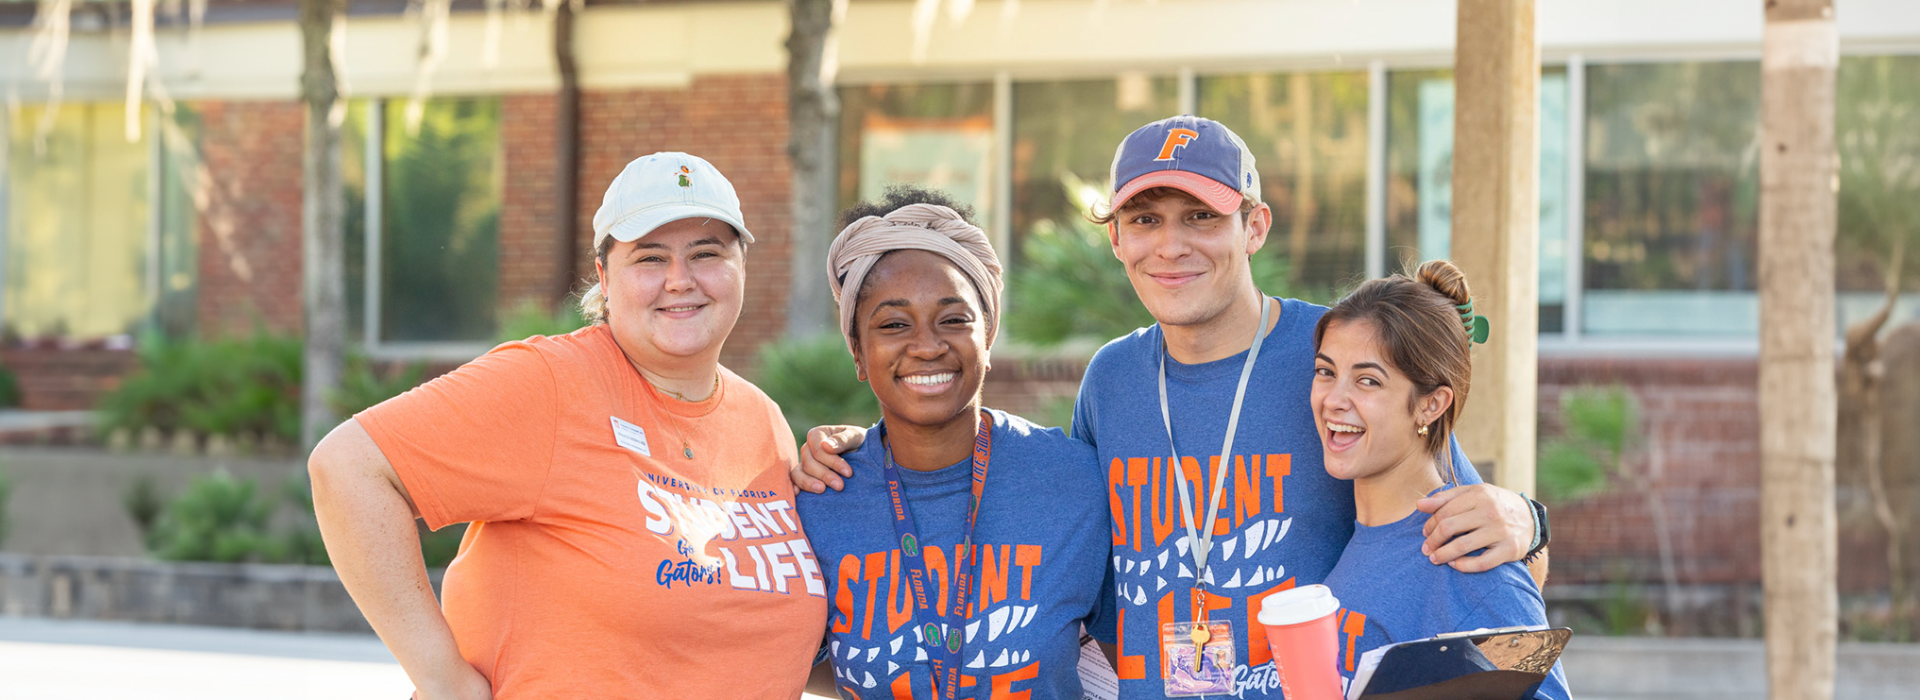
(1391, 372)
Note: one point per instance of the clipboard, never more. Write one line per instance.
(1502, 664)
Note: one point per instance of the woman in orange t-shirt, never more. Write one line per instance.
(633, 532)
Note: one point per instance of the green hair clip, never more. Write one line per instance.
(1475, 324)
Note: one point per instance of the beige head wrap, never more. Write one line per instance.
(927, 227)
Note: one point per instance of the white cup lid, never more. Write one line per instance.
(1297, 605)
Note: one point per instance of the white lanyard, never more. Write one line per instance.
(1202, 543)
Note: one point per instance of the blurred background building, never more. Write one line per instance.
(186, 222)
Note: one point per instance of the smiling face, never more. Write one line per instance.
(1365, 408)
(922, 341)
(1187, 262)
(674, 294)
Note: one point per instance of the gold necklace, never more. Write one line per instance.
(683, 397)
(686, 448)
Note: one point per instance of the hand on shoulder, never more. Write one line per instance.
(821, 466)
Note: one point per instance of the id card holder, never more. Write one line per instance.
(1191, 668)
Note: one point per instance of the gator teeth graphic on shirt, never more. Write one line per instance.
(996, 636)
(1260, 534)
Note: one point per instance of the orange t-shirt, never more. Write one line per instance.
(602, 562)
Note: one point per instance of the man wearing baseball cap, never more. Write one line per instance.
(632, 525)
(1224, 378)
(1220, 386)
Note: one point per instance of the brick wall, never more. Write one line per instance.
(1039, 387)
(61, 378)
(738, 123)
(533, 249)
(1701, 459)
(250, 241)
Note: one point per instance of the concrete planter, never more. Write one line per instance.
(255, 596)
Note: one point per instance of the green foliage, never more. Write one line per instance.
(218, 518)
(302, 545)
(1602, 424)
(439, 547)
(362, 384)
(233, 386)
(143, 504)
(1056, 412)
(9, 388)
(222, 519)
(530, 319)
(6, 490)
(1878, 137)
(815, 383)
(1069, 285)
(444, 189)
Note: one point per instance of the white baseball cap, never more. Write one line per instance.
(664, 187)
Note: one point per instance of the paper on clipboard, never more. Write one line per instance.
(1098, 681)
(1502, 657)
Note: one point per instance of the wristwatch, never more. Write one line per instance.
(1542, 532)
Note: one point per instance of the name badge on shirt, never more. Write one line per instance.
(630, 436)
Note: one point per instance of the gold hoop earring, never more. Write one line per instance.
(1423, 431)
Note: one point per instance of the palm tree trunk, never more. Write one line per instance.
(812, 109)
(1798, 168)
(323, 201)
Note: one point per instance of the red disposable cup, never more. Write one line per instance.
(1306, 648)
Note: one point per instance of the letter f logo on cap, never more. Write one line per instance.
(1175, 139)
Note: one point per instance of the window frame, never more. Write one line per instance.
(374, 229)
(153, 231)
(1572, 339)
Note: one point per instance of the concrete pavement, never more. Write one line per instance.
(79, 660)
(82, 660)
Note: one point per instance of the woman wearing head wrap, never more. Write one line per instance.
(970, 562)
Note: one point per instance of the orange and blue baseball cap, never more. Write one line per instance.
(1196, 155)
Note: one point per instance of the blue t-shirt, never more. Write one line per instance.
(1389, 593)
(1038, 577)
(1282, 519)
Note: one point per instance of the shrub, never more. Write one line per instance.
(1600, 425)
(233, 386)
(1069, 285)
(143, 504)
(1056, 412)
(362, 385)
(531, 319)
(218, 518)
(814, 382)
(6, 489)
(438, 548)
(302, 544)
(9, 387)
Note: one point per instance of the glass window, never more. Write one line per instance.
(176, 312)
(1877, 128)
(1064, 136)
(1308, 134)
(76, 258)
(1419, 216)
(353, 179)
(440, 219)
(938, 136)
(1672, 182)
